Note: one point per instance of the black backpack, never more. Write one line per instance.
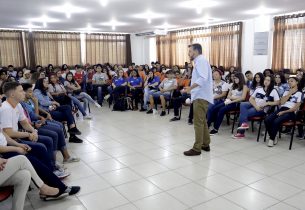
(120, 105)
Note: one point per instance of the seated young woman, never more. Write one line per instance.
(262, 101)
(220, 91)
(290, 103)
(58, 112)
(74, 89)
(166, 87)
(119, 86)
(59, 93)
(281, 84)
(258, 82)
(135, 85)
(150, 86)
(237, 94)
(46, 127)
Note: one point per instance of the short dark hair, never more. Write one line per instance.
(27, 86)
(197, 47)
(248, 72)
(9, 66)
(8, 86)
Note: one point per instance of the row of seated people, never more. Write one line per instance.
(29, 141)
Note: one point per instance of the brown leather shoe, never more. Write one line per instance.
(207, 148)
(191, 152)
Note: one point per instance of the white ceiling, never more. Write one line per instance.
(125, 13)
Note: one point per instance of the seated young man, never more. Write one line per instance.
(12, 113)
(261, 102)
(167, 86)
(150, 86)
(100, 82)
(46, 127)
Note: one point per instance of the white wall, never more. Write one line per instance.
(143, 49)
(256, 63)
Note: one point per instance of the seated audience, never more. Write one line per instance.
(281, 84)
(26, 77)
(150, 86)
(100, 82)
(135, 85)
(249, 77)
(258, 82)
(119, 86)
(11, 71)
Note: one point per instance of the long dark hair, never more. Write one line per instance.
(73, 80)
(283, 79)
(151, 79)
(50, 75)
(241, 83)
(271, 86)
(261, 82)
(39, 86)
(136, 72)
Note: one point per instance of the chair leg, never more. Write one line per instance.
(291, 139)
(228, 119)
(252, 126)
(280, 132)
(265, 136)
(259, 131)
(234, 120)
(180, 111)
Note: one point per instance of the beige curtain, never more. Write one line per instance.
(104, 48)
(289, 42)
(11, 49)
(221, 45)
(55, 48)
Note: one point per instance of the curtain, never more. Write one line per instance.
(54, 47)
(11, 49)
(289, 42)
(108, 48)
(221, 45)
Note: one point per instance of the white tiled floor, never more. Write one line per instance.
(131, 160)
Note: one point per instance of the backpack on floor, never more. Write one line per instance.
(120, 105)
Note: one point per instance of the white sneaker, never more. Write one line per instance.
(97, 105)
(72, 159)
(87, 117)
(106, 97)
(61, 174)
(276, 140)
(270, 143)
(155, 111)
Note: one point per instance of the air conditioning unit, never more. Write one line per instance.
(153, 33)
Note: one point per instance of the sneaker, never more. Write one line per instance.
(174, 119)
(276, 140)
(59, 166)
(300, 137)
(61, 174)
(155, 111)
(243, 126)
(239, 136)
(88, 117)
(143, 110)
(163, 113)
(270, 143)
(107, 97)
(149, 111)
(72, 190)
(72, 159)
(75, 139)
(97, 105)
(190, 122)
(213, 132)
(74, 131)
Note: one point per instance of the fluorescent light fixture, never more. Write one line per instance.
(149, 21)
(149, 14)
(113, 27)
(114, 23)
(44, 19)
(104, 3)
(29, 26)
(207, 19)
(262, 11)
(199, 10)
(166, 26)
(201, 4)
(68, 9)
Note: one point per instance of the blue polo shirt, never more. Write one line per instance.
(119, 81)
(135, 81)
(154, 80)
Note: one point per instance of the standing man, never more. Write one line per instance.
(201, 95)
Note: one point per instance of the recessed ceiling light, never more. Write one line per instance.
(114, 23)
(104, 3)
(113, 27)
(195, 4)
(149, 21)
(206, 19)
(68, 9)
(262, 11)
(44, 19)
(166, 26)
(149, 14)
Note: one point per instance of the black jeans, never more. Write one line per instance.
(136, 95)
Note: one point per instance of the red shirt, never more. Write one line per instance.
(79, 76)
(89, 77)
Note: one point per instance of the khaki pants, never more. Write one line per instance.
(202, 135)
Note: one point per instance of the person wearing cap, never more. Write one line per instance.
(201, 95)
(220, 91)
(26, 77)
(289, 104)
(166, 87)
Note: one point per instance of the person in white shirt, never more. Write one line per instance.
(290, 103)
(262, 101)
(166, 88)
(26, 77)
(201, 90)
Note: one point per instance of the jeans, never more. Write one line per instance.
(177, 103)
(222, 111)
(99, 90)
(246, 111)
(202, 135)
(212, 111)
(273, 121)
(56, 134)
(136, 95)
(79, 105)
(63, 113)
(147, 93)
